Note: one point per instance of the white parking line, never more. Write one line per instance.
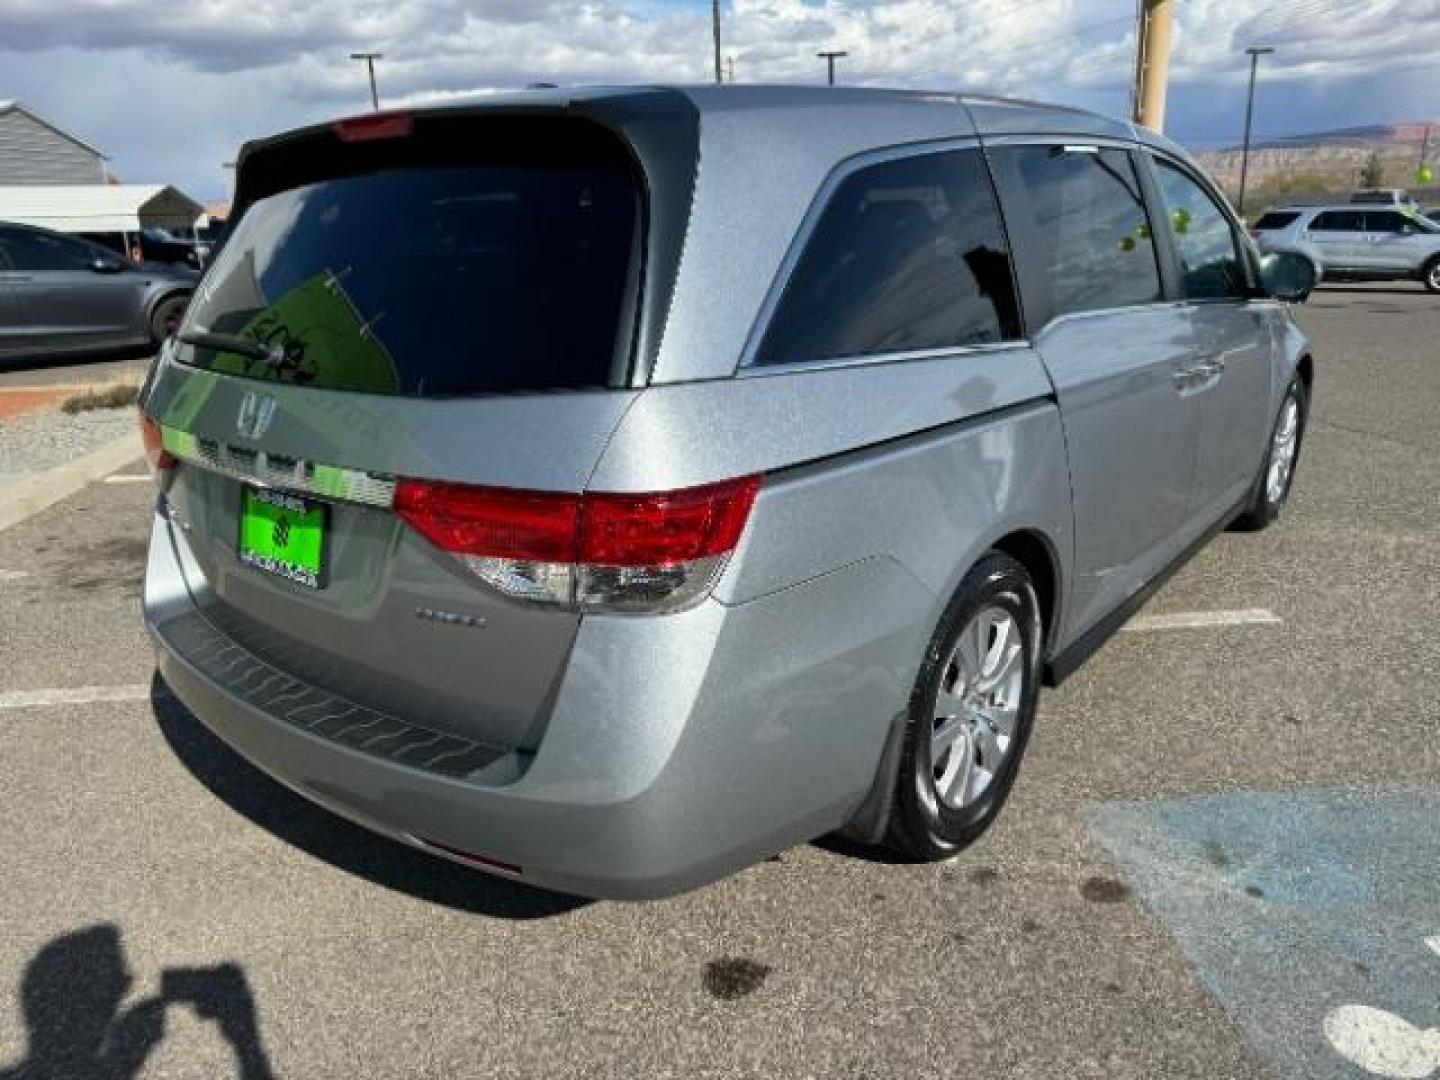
(1196, 620)
(128, 478)
(77, 695)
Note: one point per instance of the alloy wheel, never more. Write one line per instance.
(1284, 447)
(976, 707)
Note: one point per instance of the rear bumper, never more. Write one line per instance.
(678, 750)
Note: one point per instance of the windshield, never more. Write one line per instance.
(427, 281)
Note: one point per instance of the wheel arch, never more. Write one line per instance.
(1034, 551)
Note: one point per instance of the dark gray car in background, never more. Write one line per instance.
(61, 295)
(611, 488)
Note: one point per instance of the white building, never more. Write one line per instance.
(35, 151)
(54, 180)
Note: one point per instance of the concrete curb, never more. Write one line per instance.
(43, 490)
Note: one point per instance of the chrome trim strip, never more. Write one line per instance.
(761, 371)
(277, 471)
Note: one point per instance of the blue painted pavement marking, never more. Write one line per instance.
(1312, 916)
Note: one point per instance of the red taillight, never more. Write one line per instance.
(665, 528)
(156, 456)
(497, 522)
(602, 550)
(384, 125)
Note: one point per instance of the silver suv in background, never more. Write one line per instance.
(1356, 243)
(541, 499)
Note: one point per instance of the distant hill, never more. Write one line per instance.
(1408, 131)
(1319, 165)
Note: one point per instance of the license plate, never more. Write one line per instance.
(283, 535)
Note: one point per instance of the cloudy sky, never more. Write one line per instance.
(170, 90)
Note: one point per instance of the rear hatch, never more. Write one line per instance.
(451, 298)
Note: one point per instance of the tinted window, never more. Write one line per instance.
(907, 255)
(433, 280)
(34, 252)
(1385, 221)
(1211, 266)
(1396, 221)
(1339, 221)
(1079, 222)
(1276, 219)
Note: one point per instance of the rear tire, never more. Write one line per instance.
(971, 712)
(165, 319)
(1282, 457)
(1430, 276)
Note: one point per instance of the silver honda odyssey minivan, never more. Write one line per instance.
(610, 488)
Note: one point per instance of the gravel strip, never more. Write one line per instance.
(40, 440)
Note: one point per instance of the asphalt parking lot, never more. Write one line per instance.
(1219, 860)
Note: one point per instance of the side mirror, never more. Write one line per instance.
(1288, 276)
(106, 266)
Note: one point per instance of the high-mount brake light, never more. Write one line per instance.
(384, 125)
(156, 456)
(602, 551)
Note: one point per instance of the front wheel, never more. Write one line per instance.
(970, 712)
(1272, 486)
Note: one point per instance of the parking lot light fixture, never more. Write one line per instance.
(1255, 53)
(370, 58)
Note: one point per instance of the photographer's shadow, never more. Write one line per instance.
(322, 834)
(71, 994)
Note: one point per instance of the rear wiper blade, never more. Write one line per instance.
(232, 343)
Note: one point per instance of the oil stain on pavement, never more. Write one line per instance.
(731, 979)
(1309, 915)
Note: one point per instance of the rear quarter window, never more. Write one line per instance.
(908, 255)
(435, 277)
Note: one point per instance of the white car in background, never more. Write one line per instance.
(1356, 242)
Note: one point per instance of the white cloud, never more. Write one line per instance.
(168, 88)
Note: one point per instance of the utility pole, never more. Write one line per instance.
(830, 58)
(715, 31)
(370, 58)
(1152, 61)
(730, 69)
(1255, 53)
(1424, 147)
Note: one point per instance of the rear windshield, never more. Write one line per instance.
(432, 279)
(1276, 219)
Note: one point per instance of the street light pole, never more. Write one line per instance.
(370, 58)
(715, 32)
(1255, 54)
(830, 58)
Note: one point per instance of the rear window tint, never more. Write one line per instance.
(1276, 219)
(434, 279)
(908, 255)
